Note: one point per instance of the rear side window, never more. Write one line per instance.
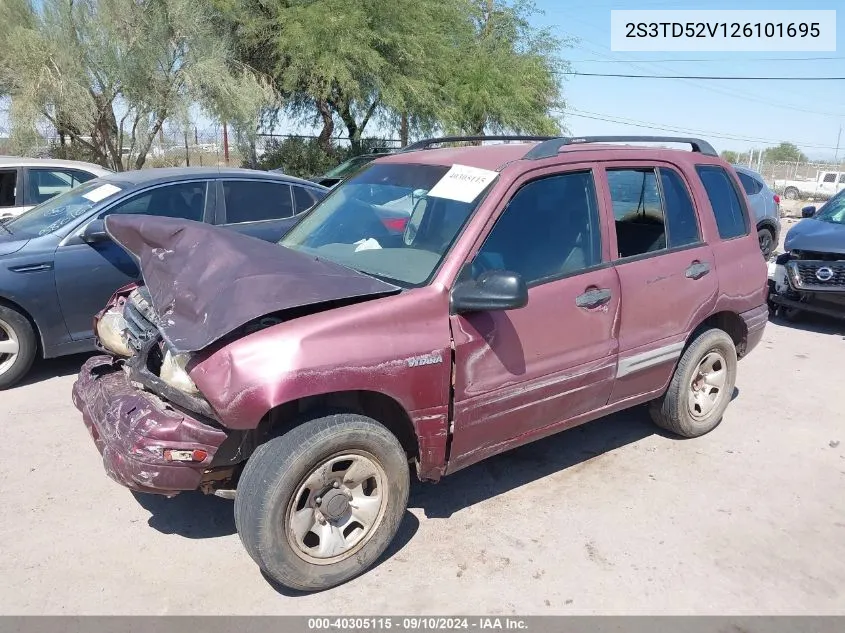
(637, 210)
(730, 217)
(829, 178)
(750, 185)
(304, 198)
(842, 179)
(680, 214)
(256, 200)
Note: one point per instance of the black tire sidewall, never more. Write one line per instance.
(711, 340)
(28, 346)
(273, 475)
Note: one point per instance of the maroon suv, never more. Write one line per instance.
(439, 307)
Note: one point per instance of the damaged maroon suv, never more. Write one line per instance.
(439, 307)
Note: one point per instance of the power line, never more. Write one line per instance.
(714, 77)
(702, 59)
(598, 116)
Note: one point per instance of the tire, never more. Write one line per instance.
(674, 411)
(791, 193)
(766, 239)
(286, 476)
(18, 337)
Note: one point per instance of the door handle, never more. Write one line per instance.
(697, 270)
(593, 298)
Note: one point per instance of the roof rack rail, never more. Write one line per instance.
(426, 143)
(551, 147)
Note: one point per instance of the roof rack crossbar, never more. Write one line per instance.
(426, 143)
(551, 147)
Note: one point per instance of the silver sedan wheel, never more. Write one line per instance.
(9, 347)
(337, 508)
(708, 385)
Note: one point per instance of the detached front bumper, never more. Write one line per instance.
(133, 428)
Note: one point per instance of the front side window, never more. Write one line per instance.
(256, 200)
(549, 229)
(829, 178)
(359, 224)
(184, 200)
(727, 208)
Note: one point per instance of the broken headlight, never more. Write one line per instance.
(110, 329)
(173, 372)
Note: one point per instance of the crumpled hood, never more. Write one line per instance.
(815, 235)
(206, 281)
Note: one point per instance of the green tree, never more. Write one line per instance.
(108, 73)
(505, 75)
(785, 152)
(730, 156)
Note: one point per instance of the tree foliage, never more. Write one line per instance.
(785, 152)
(730, 156)
(108, 73)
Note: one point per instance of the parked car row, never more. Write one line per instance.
(58, 266)
(439, 307)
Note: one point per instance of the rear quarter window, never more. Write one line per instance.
(750, 185)
(724, 200)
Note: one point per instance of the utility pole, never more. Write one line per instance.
(838, 137)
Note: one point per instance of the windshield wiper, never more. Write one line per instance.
(3, 225)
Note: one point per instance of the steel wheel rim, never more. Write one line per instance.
(707, 388)
(9, 347)
(337, 507)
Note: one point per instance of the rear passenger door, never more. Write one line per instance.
(666, 271)
(259, 208)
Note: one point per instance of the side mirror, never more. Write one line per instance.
(95, 232)
(492, 290)
(808, 212)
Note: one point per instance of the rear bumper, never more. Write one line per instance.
(755, 324)
(132, 428)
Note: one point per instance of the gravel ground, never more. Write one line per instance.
(611, 517)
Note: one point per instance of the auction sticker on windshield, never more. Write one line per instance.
(101, 193)
(462, 183)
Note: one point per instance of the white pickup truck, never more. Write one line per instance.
(826, 184)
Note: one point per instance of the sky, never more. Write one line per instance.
(807, 113)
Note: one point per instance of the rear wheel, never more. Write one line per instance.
(318, 505)
(701, 386)
(790, 193)
(18, 346)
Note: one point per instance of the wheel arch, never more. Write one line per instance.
(373, 404)
(39, 336)
(728, 321)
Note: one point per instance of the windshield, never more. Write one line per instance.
(55, 213)
(382, 222)
(349, 166)
(833, 210)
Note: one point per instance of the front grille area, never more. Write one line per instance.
(805, 275)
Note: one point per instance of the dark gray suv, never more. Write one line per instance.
(58, 266)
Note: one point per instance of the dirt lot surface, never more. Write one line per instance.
(611, 517)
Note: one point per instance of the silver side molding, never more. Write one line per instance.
(653, 357)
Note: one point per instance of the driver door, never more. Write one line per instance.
(88, 274)
(520, 371)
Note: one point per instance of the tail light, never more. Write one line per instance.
(777, 199)
(395, 224)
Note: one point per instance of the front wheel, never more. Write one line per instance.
(701, 387)
(318, 505)
(791, 193)
(18, 346)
